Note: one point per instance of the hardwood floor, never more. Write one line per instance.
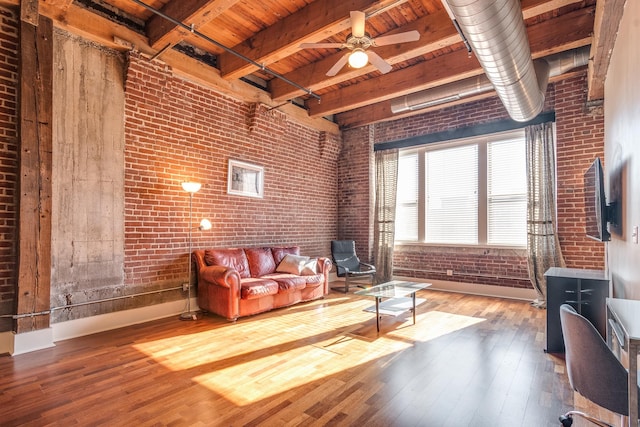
(468, 361)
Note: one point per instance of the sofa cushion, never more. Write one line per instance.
(314, 279)
(288, 282)
(292, 264)
(257, 287)
(279, 253)
(260, 261)
(232, 258)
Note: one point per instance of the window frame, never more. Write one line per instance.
(482, 142)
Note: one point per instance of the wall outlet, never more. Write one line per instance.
(185, 287)
(634, 234)
(449, 272)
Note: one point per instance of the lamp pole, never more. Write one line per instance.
(191, 188)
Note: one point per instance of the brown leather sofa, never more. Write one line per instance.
(244, 281)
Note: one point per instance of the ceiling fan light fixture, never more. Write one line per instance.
(358, 58)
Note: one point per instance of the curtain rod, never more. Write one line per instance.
(192, 30)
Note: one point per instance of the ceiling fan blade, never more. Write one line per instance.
(378, 62)
(320, 45)
(357, 23)
(409, 36)
(338, 65)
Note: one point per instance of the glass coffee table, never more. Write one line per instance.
(393, 298)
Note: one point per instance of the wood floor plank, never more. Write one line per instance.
(468, 361)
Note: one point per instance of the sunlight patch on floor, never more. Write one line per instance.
(184, 352)
(247, 368)
(435, 324)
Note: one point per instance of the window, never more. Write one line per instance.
(407, 197)
(471, 192)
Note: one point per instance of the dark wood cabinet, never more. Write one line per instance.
(584, 290)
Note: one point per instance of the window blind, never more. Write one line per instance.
(452, 195)
(506, 193)
(406, 227)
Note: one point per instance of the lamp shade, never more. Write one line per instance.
(191, 187)
(358, 58)
(205, 225)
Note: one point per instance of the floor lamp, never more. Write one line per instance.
(192, 188)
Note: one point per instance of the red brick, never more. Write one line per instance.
(8, 151)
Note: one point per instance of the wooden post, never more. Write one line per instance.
(34, 227)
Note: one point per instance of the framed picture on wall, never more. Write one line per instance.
(245, 179)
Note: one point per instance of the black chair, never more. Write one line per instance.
(349, 266)
(593, 370)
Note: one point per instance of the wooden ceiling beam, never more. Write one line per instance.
(437, 31)
(162, 32)
(605, 29)
(435, 72)
(60, 4)
(565, 32)
(315, 22)
(81, 21)
(381, 111)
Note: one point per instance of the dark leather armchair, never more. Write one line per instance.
(593, 370)
(349, 266)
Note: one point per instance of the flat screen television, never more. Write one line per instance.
(595, 204)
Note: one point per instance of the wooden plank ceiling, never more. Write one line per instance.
(269, 32)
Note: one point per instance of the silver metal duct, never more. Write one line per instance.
(496, 31)
(551, 66)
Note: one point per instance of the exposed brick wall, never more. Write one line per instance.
(177, 130)
(8, 160)
(580, 139)
(488, 110)
(580, 135)
(355, 198)
(472, 265)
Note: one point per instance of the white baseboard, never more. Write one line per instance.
(26, 342)
(476, 289)
(15, 344)
(117, 319)
(467, 288)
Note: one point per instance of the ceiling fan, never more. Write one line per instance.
(358, 43)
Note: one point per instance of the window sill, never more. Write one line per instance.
(459, 246)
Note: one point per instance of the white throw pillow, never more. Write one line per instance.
(292, 264)
(310, 267)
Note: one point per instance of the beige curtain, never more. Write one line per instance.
(385, 213)
(543, 246)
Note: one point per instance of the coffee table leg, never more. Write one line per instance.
(378, 314)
